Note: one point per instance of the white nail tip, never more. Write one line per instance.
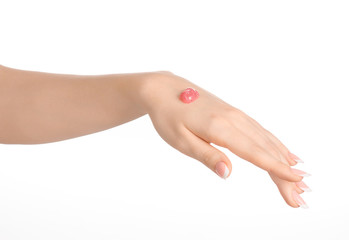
(299, 161)
(226, 172)
(306, 175)
(304, 206)
(306, 189)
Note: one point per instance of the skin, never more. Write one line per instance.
(38, 107)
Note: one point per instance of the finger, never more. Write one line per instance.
(242, 131)
(210, 156)
(261, 138)
(243, 142)
(303, 186)
(246, 147)
(276, 167)
(283, 149)
(285, 188)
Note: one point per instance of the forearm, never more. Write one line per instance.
(38, 107)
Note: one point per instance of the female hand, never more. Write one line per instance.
(190, 128)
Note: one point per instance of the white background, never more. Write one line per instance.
(285, 63)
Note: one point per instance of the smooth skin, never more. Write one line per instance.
(38, 107)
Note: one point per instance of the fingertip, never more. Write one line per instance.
(227, 165)
(222, 169)
(293, 205)
(286, 192)
(230, 167)
(297, 188)
(292, 176)
(300, 172)
(290, 202)
(291, 199)
(296, 178)
(293, 163)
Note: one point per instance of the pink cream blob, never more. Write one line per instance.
(189, 95)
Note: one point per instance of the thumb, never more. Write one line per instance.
(210, 156)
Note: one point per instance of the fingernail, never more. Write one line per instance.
(300, 173)
(294, 157)
(222, 170)
(303, 186)
(299, 200)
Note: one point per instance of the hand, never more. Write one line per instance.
(190, 128)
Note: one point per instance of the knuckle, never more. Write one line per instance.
(166, 72)
(236, 113)
(163, 75)
(238, 118)
(214, 116)
(217, 123)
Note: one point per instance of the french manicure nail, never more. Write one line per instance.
(222, 170)
(299, 200)
(303, 186)
(300, 172)
(294, 157)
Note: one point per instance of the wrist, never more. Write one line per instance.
(150, 86)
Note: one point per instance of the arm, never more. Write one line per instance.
(38, 107)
